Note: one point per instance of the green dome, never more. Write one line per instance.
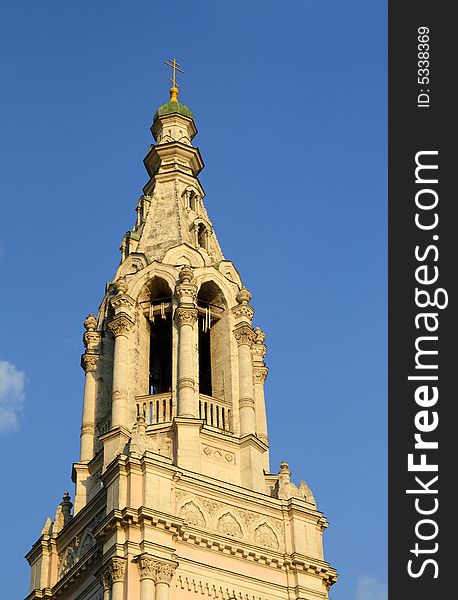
(173, 107)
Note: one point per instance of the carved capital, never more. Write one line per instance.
(147, 567)
(164, 572)
(260, 374)
(117, 567)
(186, 315)
(105, 579)
(244, 335)
(120, 325)
(89, 362)
(157, 570)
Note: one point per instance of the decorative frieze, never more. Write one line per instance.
(227, 519)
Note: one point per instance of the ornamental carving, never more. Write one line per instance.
(227, 521)
(91, 339)
(164, 572)
(260, 374)
(244, 296)
(244, 335)
(122, 301)
(117, 567)
(90, 323)
(186, 290)
(121, 285)
(191, 513)
(228, 525)
(186, 274)
(186, 316)
(147, 567)
(120, 326)
(89, 362)
(220, 455)
(105, 579)
(264, 536)
(243, 310)
(141, 441)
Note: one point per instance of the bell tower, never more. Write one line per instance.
(174, 497)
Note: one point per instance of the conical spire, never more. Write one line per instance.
(171, 213)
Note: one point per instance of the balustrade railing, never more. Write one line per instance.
(156, 408)
(215, 413)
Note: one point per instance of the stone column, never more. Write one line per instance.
(117, 568)
(120, 326)
(259, 377)
(186, 316)
(89, 362)
(164, 574)
(105, 580)
(245, 336)
(147, 568)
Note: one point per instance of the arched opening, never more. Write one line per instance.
(160, 347)
(210, 304)
(202, 236)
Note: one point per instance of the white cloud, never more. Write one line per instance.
(370, 588)
(12, 384)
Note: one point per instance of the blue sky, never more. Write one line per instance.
(290, 104)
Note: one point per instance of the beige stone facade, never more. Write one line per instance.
(174, 498)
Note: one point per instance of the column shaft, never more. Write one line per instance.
(117, 590)
(246, 391)
(187, 405)
(162, 590)
(88, 419)
(147, 589)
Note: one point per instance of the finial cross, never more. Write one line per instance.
(176, 67)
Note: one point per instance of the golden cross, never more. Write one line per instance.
(176, 67)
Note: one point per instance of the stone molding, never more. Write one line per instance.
(244, 335)
(186, 315)
(186, 382)
(246, 402)
(121, 326)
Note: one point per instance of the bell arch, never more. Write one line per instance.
(155, 300)
(214, 360)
